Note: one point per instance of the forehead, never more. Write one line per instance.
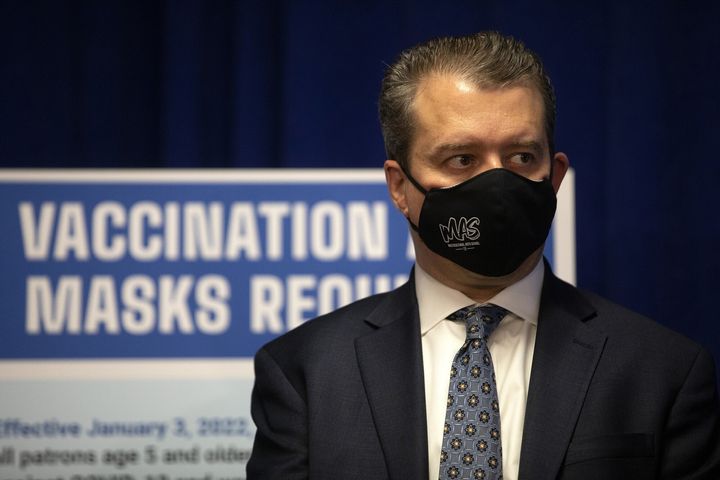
(452, 109)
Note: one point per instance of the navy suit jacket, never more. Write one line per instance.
(612, 395)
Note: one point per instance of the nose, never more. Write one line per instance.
(489, 162)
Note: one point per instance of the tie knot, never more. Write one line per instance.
(480, 321)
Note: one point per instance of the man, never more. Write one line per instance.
(423, 382)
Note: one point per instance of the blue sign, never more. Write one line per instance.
(151, 267)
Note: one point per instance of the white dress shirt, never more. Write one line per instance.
(511, 345)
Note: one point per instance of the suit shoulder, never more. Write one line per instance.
(325, 346)
(328, 332)
(638, 329)
(629, 333)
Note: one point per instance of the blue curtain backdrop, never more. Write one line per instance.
(294, 84)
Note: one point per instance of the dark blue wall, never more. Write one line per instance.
(294, 84)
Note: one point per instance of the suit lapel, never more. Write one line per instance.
(567, 351)
(390, 362)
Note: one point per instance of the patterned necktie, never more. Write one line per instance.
(471, 441)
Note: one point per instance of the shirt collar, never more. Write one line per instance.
(436, 300)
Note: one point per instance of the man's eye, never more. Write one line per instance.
(460, 161)
(521, 159)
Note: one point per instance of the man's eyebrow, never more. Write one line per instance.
(534, 145)
(450, 147)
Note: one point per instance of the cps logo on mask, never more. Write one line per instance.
(463, 230)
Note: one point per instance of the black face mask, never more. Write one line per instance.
(488, 224)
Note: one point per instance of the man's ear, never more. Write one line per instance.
(396, 183)
(560, 165)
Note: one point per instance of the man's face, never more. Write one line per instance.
(462, 130)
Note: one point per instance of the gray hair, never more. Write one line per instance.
(488, 59)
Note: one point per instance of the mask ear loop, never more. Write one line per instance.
(552, 167)
(419, 187)
(413, 181)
